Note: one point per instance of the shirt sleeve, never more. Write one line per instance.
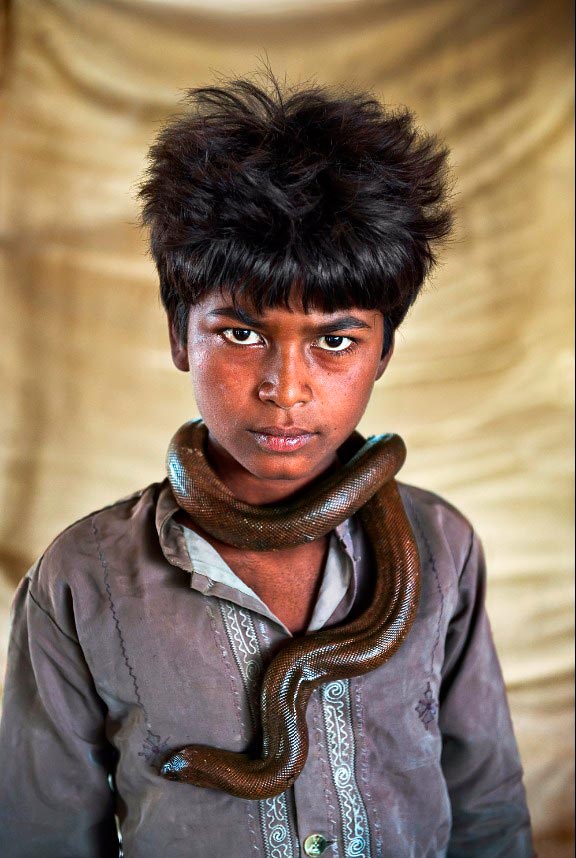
(55, 798)
(480, 758)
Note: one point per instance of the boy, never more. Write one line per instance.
(278, 595)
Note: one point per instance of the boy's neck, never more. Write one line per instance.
(287, 580)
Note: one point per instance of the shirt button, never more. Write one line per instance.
(315, 844)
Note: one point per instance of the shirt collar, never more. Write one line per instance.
(210, 574)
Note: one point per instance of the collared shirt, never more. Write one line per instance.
(132, 637)
(345, 565)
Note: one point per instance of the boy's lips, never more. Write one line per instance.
(282, 439)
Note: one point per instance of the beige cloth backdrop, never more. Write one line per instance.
(480, 384)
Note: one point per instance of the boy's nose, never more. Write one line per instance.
(286, 382)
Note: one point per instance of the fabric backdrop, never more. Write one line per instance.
(480, 383)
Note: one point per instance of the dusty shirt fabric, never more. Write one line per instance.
(131, 636)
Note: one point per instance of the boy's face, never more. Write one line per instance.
(279, 392)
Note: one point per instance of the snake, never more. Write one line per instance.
(365, 484)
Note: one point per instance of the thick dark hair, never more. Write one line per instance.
(261, 191)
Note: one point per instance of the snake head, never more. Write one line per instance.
(174, 767)
(188, 765)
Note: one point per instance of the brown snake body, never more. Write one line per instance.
(365, 484)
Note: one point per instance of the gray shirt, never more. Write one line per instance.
(131, 637)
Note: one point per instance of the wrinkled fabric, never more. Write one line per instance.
(130, 639)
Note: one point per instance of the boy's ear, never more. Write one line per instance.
(178, 349)
(385, 360)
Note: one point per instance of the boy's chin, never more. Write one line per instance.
(289, 469)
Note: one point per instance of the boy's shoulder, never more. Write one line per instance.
(437, 523)
(117, 530)
(128, 515)
(426, 500)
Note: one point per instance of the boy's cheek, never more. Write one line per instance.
(212, 380)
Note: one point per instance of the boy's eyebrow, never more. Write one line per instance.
(232, 312)
(344, 322)
(336, 324)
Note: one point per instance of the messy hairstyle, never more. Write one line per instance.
(261, 192)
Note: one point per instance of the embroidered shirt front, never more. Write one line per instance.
(130, 638)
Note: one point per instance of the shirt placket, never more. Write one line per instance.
(324, 813)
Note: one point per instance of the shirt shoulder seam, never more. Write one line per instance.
(50, 617)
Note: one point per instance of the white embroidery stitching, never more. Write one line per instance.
(275, 830)
(241, 634)
(337, 710)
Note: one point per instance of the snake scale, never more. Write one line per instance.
(364, 484)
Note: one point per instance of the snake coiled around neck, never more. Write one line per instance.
(365, 484)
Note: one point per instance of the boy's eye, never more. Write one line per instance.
(241, 336)
(333, 343)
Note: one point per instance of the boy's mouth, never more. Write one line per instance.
(282, 439)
